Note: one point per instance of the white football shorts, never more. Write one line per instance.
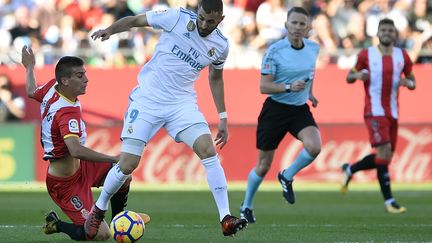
(145, 117)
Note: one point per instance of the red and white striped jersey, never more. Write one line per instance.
(382, 87)
(60, 118)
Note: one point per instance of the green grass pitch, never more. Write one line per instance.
(191, 216)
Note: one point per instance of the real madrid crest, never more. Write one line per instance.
(130, 130)
(191, 26)
(211, 52)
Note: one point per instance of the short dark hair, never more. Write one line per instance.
(65, 65)
(386, 21)
(299, 10)
(212, 6)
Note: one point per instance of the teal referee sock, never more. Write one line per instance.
(302, 160)
(254, 182)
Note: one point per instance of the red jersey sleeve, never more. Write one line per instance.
(361, 60)
(69, 122)
(407, 70)
(41, 91)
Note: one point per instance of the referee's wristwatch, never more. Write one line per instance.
(287, 88)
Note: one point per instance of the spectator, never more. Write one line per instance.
(141, 6)
(420, 23)
(5, 43)
(24, 23)
(270, 19)
(347, 59)
(192, 5)
(344, 18)
(47, 17)
(241, 55)
(62, 26)
(248, 5)
(233, 17)
(379, 9)
(12, 106)
(249, 26)
(86, 15)
(107, 49)
(118, 8)
(69, 39)
(325, 37)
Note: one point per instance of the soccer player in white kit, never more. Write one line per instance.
(165, 97)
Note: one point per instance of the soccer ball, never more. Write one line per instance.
(127, 226)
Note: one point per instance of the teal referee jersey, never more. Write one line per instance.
(288, 64)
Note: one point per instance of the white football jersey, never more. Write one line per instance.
(180, 55)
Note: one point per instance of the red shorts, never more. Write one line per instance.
(73, 194)
(382, 130)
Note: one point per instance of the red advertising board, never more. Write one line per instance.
(339, 102)
(167, 161)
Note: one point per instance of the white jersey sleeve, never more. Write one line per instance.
(219, 63)
(163, 19)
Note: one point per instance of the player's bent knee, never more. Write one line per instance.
(206, 152)
(262, 169)
(198, 138)
(127, 168)
(315, 151)
(313, 148)
(384, 151)
(204, 147)
(265, 159)
(128, 162)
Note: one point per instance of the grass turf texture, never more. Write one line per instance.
(191, 216)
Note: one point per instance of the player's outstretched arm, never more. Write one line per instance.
(121, 25)
(78, 151)
(217, 89)
(28, 61)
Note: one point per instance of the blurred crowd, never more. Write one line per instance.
(12, 105)
(62, 27)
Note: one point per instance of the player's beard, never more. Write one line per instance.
(203, 33)
(385, 42)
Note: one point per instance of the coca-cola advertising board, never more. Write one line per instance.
(165, 161)
(108, 90)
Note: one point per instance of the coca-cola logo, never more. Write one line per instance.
(101, 140)
(412, 161)
(164, 160)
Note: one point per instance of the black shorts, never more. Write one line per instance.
(276, 119)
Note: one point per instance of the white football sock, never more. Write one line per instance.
(348, 170)
(218, 184)
(389, 201)
(113, 181)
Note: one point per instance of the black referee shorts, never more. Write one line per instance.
(276, 119)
